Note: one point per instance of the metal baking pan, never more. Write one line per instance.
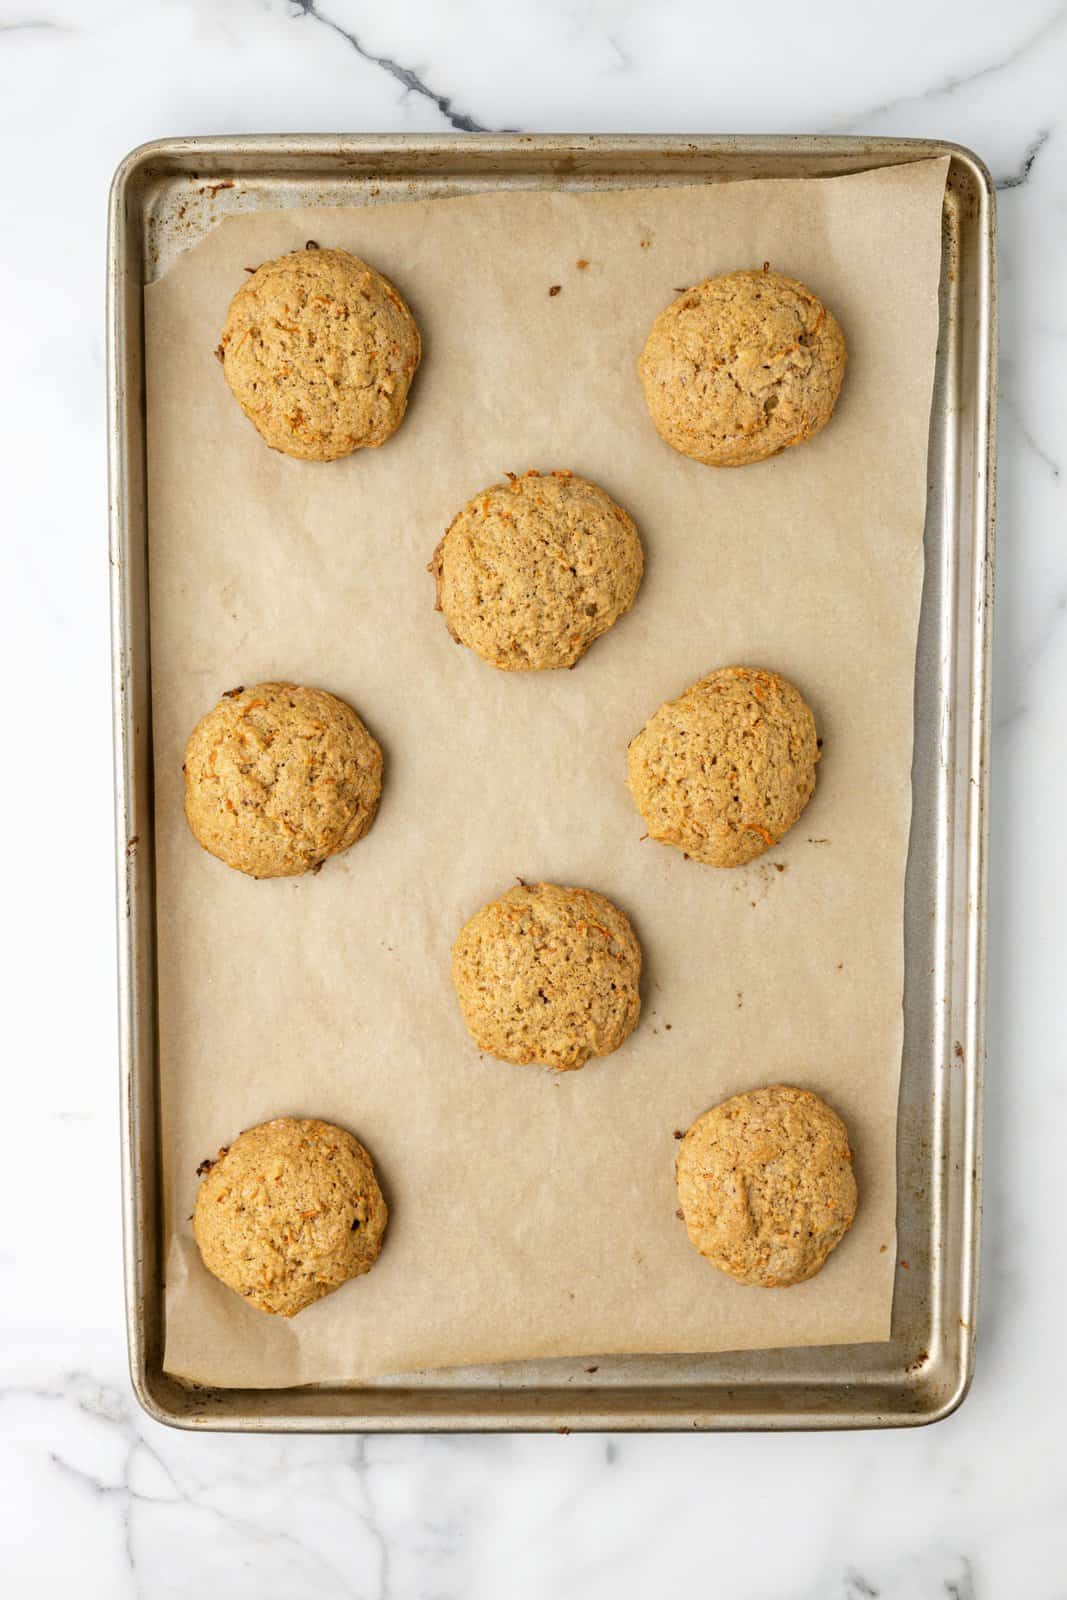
(166, 195)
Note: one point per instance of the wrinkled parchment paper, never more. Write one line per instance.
(534, 1215)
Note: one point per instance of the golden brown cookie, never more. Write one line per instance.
(278, 777)
(765, 1185)
(320, 350)
(740, 367)
(548, 974)
(725, 770)
(289, 1212)
(531, 571)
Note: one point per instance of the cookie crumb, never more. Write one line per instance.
(554, 290)
(581, 264)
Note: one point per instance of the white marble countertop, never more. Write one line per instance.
(95, 1500)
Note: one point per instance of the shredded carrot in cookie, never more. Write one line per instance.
(764, 833)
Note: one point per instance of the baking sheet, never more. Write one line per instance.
(548, 1200)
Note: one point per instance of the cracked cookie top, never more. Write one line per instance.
(765, 1185)
(533, 570)
(741, 367)
(279, 777)
(319, 351)
(288, 1212)
(726, 769)
(548, 974)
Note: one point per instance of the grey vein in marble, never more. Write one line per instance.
(1033, 150)
(624, 61)
(1040, 35)
(963, 1588)
(403, 75)
(1046, 638)
(84, 1394)
(1009, 408)
(857, 1587)
(35, 25)
(371, 1520)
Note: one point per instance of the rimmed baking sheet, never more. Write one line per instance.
(467, 1398)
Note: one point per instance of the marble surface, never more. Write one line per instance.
(95, 1500)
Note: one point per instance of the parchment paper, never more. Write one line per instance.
(533, 1215)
